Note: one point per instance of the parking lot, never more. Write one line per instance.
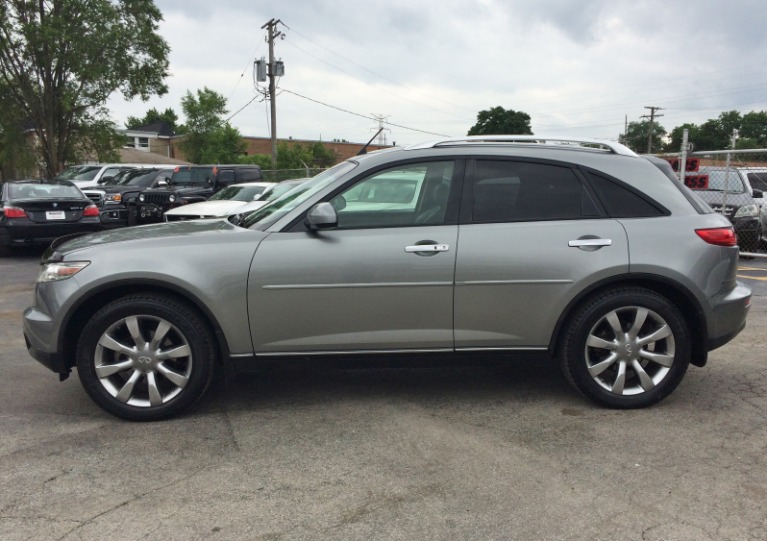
(484, 451)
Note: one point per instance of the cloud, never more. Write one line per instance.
(577, 68)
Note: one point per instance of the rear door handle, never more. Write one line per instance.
(590, 244)
(426, 248)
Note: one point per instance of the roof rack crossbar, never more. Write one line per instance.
(611, 146)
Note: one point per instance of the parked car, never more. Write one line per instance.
(757, 181)
(222, 203)
(577, 250)
(89, 175)
(729, 193)
(192, 184)
(39, 211)
(217, 206)
(117, 197)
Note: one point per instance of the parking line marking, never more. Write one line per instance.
(760, 278)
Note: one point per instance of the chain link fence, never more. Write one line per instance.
(278, 175)
(733, 183)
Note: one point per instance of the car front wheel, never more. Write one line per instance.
(145, 357)
(626, 348)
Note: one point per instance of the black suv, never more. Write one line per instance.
(192, 184)
(117, 197)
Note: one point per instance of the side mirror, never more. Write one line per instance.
(758, 194)
(105, 180)
(321, 216)
(163, 182)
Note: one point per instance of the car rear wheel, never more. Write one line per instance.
(145, 357)
(626, 348)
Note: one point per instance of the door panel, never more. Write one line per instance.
(513, 280)
(350, 290)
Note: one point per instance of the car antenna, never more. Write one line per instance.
(364, 150)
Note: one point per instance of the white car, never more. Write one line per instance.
(89, 175)
(234, 199)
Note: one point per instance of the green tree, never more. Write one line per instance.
(225, 145)
(298, 156)
(677, 135)
(209, 139)
(168, 116)
(637, 134)
(497, 121)
(61, 60)
(17, 160)
(753, 126)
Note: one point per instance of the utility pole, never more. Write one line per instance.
(652, 118)
(275, 69)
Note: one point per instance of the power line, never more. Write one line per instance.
(370, 71)
(361, 115)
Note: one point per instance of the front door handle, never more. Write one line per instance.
(426, 248)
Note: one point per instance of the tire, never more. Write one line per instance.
(626, 348)
(129, 375)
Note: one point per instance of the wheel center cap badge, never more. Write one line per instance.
(144, 360)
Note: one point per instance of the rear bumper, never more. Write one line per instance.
(23, 234)
(729, 312)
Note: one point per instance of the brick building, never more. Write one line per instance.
(157, 138)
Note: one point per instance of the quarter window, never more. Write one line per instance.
(507, 191)
(620, 201)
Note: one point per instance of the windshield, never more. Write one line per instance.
(273, 211)
(44, 190)
(282, 188)
(79, 172)
(139, 177)
(720, 180)
(238, 193)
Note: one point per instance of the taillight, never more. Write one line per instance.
(91, 210)
(13, 212)
(720, 236)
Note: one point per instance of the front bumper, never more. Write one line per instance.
(38, 328)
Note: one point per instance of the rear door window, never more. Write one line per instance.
(511, 191)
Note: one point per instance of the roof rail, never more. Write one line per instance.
(572, 142)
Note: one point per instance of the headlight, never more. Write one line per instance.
(747, 211)
(53, 272)
(113, 198)
(172, 198)
(141, 197)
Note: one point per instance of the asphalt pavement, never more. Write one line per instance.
(466, 452)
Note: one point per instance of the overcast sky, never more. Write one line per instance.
(577, 67)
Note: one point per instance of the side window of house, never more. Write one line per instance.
(509, 191)
(413, 194)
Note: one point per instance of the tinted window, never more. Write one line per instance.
(758, 181)
(226, 176)
(620, 201)
(506, 191)
(192, 175)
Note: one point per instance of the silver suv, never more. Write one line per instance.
(577, 250)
